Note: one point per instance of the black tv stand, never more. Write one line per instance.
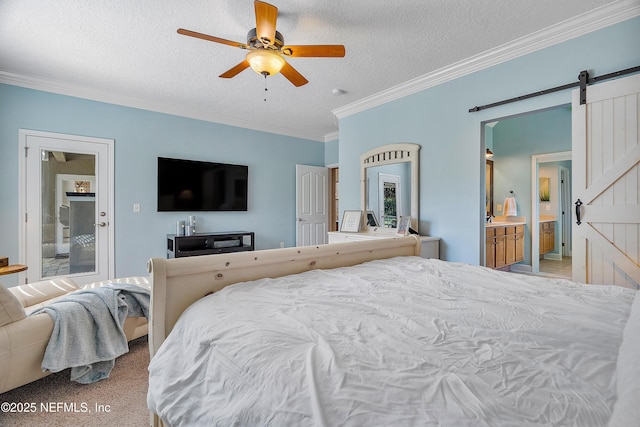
(209, 243)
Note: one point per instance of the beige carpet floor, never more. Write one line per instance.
(120, 400)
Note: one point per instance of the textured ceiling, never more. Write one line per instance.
(128, 51)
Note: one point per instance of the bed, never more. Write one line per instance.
(357, 334)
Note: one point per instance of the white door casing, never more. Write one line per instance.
(312, 205)
(606, 184)
(30, 204)
(565, 220)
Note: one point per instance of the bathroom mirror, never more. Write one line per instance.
(389, 185)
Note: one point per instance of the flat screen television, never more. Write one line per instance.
(191, 186)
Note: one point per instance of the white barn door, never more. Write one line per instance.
(606, 181)
(312, 205)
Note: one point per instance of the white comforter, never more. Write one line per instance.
(400, 342)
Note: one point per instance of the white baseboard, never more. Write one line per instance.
(552, 256)
(522, 268)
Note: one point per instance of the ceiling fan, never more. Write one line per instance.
(267, 50)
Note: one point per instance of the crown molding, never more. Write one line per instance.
(604, 16)
(331, 136)
(70, 89)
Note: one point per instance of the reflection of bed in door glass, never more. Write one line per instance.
(82, 247)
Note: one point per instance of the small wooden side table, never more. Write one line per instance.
(11, 269)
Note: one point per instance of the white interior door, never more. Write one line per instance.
(606, 184)
(67, 199)
(312, 205)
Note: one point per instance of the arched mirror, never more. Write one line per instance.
(389, 186)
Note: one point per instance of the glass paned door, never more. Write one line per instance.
(68, 198)
(390, 217)
(389, 199)
(68, 213)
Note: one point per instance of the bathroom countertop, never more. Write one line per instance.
(504, 223)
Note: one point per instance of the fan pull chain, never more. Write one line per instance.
(265, 88)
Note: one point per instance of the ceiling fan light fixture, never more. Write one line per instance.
(267, 50)
(265, 62)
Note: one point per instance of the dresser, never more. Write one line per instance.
(430, 246)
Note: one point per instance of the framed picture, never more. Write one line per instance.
(403, 226)
(545, 192)
(351, 221)
(372, 221)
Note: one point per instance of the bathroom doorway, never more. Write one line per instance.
(512, 143)
(551, 200)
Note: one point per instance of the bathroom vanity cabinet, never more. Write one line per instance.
(547, 237)
(504, 245)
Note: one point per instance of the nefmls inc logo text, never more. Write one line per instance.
(64, 407)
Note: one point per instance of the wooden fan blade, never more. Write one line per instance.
(211, 38)
(266, 16)
(235, 70)
(320, 51)
(293, 75)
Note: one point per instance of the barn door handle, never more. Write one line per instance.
(578, 204)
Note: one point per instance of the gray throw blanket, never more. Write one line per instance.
(88, 332)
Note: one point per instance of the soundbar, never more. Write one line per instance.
(226, 243)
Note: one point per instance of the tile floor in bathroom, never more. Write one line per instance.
(556, 268)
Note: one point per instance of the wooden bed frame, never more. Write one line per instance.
(177, 283)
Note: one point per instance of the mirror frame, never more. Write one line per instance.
(391, 154)
(489, 186)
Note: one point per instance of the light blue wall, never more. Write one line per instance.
(452, 155)
(331, 153)
(140, 137)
